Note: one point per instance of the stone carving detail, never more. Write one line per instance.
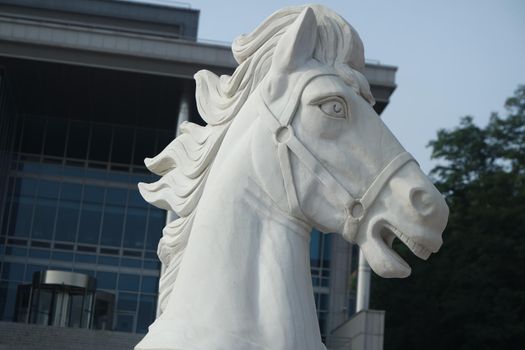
(292, 142)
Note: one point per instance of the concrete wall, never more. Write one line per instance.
(138, 17)
(364, 331)
(21, 336)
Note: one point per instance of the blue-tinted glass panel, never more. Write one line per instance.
(156, 224)
(110, 251)
(44, 218)
(93, 194)
(98, 174)
(151, 255)
(133, 253)
(27, 186)
(112, 226)
(86, 258)
(315, 281)
(48, 189)
(108, 260)
(152, 265)
(130, 262)
(324, 302)
(90, 220)
(67, 221)
(315, 248)
(149, 284)
(146, 314)
(327, 247)
(128, 282)
(73, 171)
(71, 192)
(16, 251)
(127, 302)
(325, 282)
(13, 271)
(20, 218)
(63, 256)
(135, 199)
(118, 176)
(29, 167)
(116, 196)
(39, 253)
(7, 300)
(53, 169)
(106, 280)
(135, 228)
(124, 323)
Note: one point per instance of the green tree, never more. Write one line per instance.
(471, 294)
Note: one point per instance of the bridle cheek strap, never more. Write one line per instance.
(360, 207)
(355, 209)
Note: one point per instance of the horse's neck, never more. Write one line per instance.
(246, 269)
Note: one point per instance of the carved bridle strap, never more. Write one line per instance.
(285, 139)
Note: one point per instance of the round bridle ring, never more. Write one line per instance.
(283, 134)
(357, 210)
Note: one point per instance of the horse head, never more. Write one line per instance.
(292, 142)
(339, 167)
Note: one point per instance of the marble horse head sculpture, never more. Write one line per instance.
(291, 143)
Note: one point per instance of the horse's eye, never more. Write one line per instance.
(334, 108)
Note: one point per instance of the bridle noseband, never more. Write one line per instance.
(283, 134)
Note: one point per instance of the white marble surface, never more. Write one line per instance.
(292, 142)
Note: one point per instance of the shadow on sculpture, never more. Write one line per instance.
(292, 142)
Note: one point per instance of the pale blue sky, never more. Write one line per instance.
(454, 57)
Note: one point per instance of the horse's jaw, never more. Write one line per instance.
(410, 209)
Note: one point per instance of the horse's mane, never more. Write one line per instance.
(185, 163)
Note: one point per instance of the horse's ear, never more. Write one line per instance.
(297, 44)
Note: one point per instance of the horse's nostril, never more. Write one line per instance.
(422, 201)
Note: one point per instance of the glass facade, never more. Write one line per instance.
(74, 206)
(72, 144)
(320, 254)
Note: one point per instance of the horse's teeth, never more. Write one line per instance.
(416, 248)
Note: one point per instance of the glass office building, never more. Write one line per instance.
(71, 200)
(320, 249)
(82, 103)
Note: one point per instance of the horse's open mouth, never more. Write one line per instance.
(387, 234)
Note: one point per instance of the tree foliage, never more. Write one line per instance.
(470, 295)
